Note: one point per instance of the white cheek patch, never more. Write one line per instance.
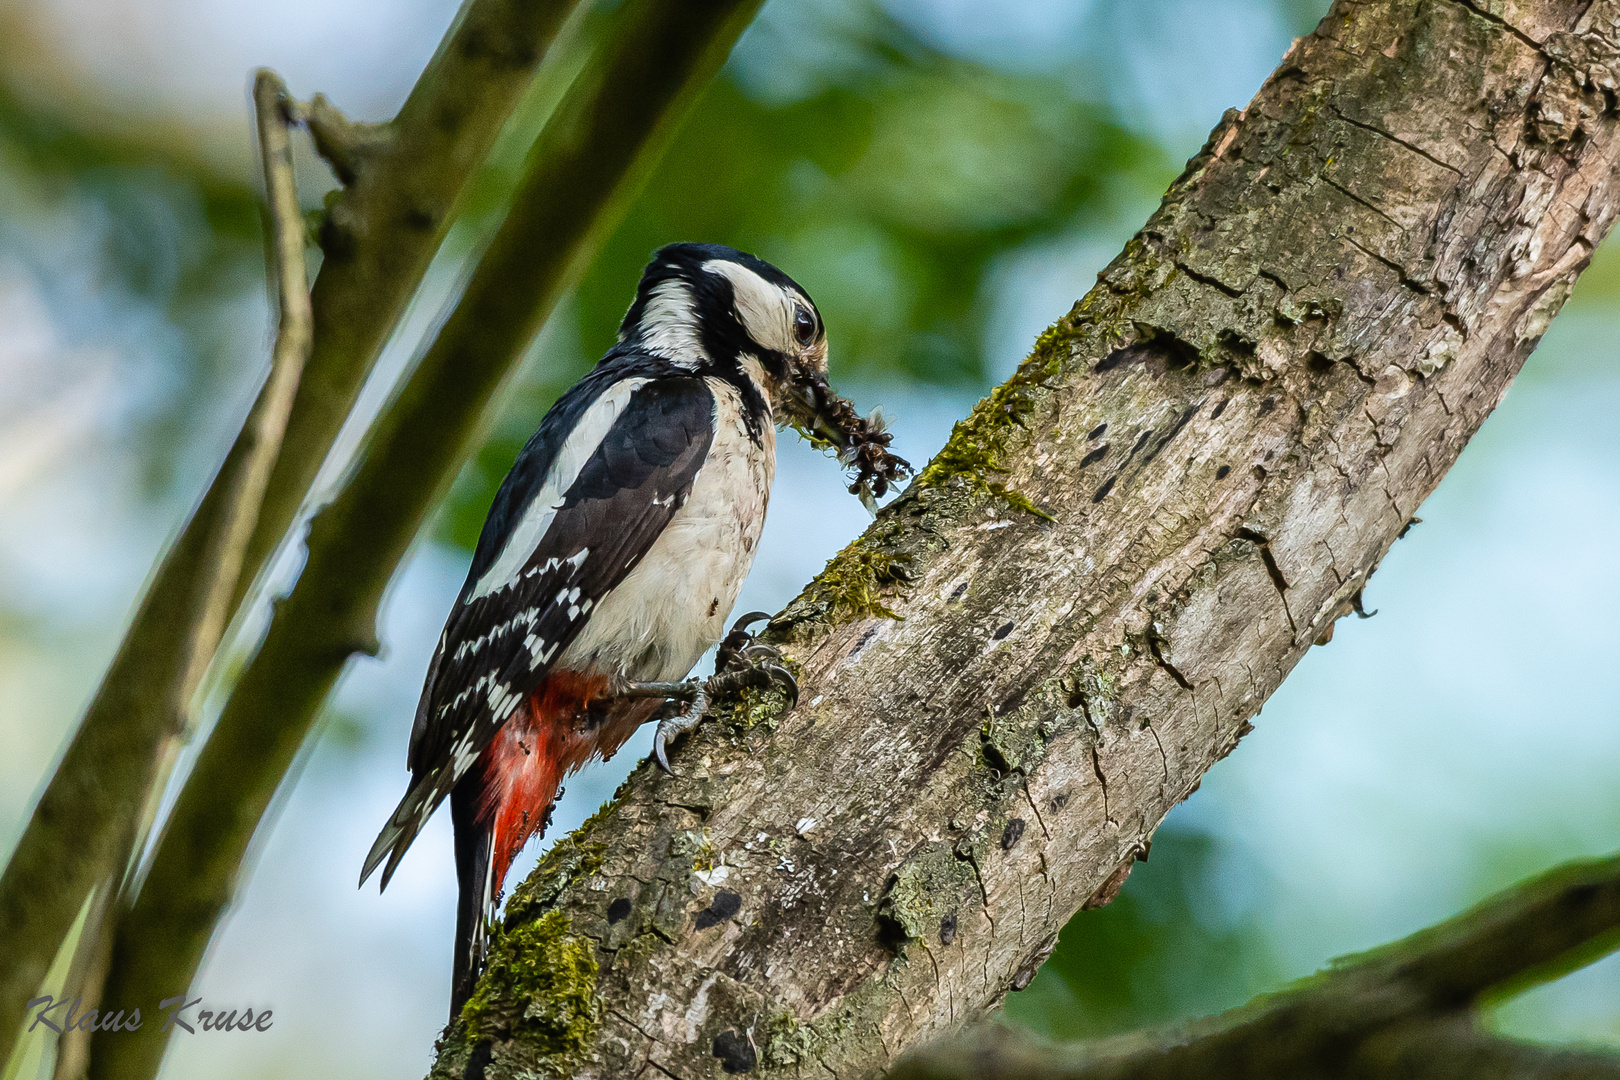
(669, 325)
(766, 310)
(576, 450)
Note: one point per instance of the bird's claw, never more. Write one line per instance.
(780, 677)
(738, 641)
(680, 723)
(741, 663)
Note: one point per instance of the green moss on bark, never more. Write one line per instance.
(978, 444)
(569, 858)
(540, 989)
(929, 886)
(851, 586)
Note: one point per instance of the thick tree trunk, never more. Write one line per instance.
(1113, 563)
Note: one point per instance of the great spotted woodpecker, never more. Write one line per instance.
(611, 558)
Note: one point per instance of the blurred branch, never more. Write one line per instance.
(226, 546)
(1399, 1011)
(267, 423)
(379, 237)
(613, 121)
(1446, 1048)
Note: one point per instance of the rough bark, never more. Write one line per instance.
(1112, 564)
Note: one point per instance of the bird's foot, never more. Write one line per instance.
(671, 727)
(740, 663)
(743, 662)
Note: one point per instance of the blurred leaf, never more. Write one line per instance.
(162, 253)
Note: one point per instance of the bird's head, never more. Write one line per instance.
(716, 310)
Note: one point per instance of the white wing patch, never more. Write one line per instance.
(526, 617)
(576, 450)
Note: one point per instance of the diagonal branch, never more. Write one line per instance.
(267, 424)
(1401, 1010)
(609, 127)
(226, 546)
(1224, 437)
(379, 237)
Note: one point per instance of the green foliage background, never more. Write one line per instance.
(919, 179)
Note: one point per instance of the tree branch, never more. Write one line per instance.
(614, 120)
(1450, 1049)
(226, 546)
(379, 238)
(1399, 1011)
(1224, 438)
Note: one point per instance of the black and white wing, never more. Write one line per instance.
(611, 464)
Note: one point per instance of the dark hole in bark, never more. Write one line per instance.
(724, 906)
(1223, 472)
(478, 1060)
(618, 909)
(947, 929)
(1003, 631)
(1235, 344)
(1012, 833)
(734, 1052)
(1096, 432)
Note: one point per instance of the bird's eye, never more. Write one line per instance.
(804, 326)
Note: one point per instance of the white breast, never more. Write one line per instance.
(673, 606)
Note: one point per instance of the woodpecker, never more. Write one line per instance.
(611, 558)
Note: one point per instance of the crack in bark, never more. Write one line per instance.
(1038, 819)
(1097, 771)
(1422, 288)
(1272, 570)
(1175, 429)
(625, 1019)
(1164, 758)
(1503, 23)
(1395, 138)
(1336, 186)
(666, 1072)
(1154, 650)
(1205, 279)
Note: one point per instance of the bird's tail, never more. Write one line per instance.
(503, 802)
(506, 798)
(406, 821)
(475, 899)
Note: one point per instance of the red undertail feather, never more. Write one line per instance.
(545, 740)
(505, 800)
